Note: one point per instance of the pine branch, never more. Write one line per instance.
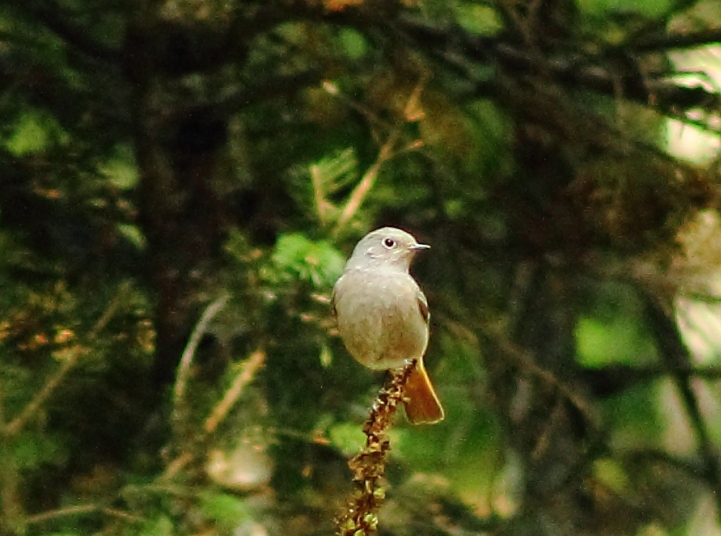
(604, 74)
(360, 517)
(183, 374)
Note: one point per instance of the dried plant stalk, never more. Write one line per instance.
(360, 517)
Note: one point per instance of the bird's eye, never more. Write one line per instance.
(389, 243)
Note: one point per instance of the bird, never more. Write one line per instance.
(382, 315)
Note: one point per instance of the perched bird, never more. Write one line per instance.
(382, 315)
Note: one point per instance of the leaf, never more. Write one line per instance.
(121, 169)
(160, 526)
(353, 43)
(33, 132)
(347, 437)
(225, 509)
(133, 234)
(612, 329)
(326, 356)
(479, 19)
(33, 449)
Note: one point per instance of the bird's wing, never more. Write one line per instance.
(334, 312)
(423, 305)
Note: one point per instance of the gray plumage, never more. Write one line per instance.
(382, 314)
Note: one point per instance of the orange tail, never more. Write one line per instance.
(422, 406)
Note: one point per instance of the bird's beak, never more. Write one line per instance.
(418, 247)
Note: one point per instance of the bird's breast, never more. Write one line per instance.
(379, 318)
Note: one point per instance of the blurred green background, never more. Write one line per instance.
(182, 180)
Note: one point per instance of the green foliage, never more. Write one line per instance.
(636, 417)
(32, 450)
(295, 257)
(626, 342)
(353, 43)
(647, 8)
(346, 437)
(34, 132)
(133, 234)
(226, 510)
(613, 330)
(160, 526)
(156, 157)
(121, 169)
(479, 19)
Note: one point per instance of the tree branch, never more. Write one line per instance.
(360, 516)
(660, 43)
(677, 358)
(18, 424)
(186, 360)
(454, 47)
(81, 509)
(53, 19)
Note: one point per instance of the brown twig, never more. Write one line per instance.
(79, 510)
(321, 205)
(360, 192)
(247, 372)
(360, 517)
(244, 377)
(17, 424)
(179, 463)
(412, 111)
